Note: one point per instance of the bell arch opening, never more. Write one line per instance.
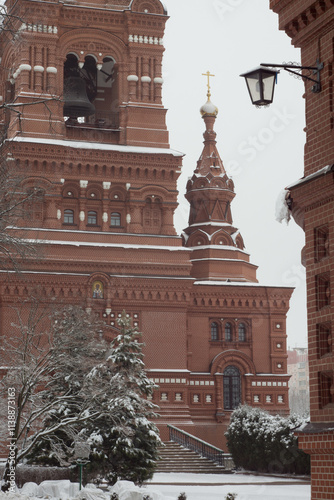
(90, 92)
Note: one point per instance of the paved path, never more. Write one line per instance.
(217, 486)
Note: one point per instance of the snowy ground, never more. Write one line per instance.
(216, 487)
(169, 486)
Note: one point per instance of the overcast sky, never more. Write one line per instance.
(262, 149)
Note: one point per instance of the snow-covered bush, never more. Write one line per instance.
(25, 474)
(262, 442)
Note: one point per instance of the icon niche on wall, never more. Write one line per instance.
(97, 290)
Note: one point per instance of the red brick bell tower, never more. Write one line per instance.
(115, 49)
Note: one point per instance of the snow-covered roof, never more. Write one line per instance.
(308, 178)
(98, 146)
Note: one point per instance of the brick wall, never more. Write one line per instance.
(310, 24)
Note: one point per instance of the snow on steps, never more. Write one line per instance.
(176, 458)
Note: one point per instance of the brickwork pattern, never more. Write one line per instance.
(310, 24)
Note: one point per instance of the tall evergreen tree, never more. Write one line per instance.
(127, 449)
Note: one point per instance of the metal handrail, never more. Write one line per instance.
(193, 443)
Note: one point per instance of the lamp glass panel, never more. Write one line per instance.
(268, 87)
(254, 87)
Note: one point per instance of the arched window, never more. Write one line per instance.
(92, 217)
(232, 388)
(228, 332)
(34, 206)
(152, 216)
(68, 217)
(115, 219)
(214, 331)
(242, 332)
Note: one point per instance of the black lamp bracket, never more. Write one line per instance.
(315, 70)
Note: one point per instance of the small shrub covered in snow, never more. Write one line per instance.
(231, 496)
(26, 474)
(262, 442)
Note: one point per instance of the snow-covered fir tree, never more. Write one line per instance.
(127, 449)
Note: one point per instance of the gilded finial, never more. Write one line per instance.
(208, 75)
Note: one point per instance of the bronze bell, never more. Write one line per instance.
(75, 97)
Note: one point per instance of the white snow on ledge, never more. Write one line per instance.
(167, 370)
(143, 276)
(99, 146)
(239, 283)
(319, 173)
(267, 375)
(211, 223)
(218, 247)
(108, 245)
(219, 259)
(282, 212)
(101, 233)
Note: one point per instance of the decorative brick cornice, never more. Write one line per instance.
(304, 19)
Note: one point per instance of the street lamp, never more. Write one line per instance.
(81, 455)
(261, 84)
(261, 81)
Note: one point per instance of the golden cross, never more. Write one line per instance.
(208, 74)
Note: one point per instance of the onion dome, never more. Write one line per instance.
(209, 109)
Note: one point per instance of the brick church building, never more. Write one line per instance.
(310, 24)
(85, 122)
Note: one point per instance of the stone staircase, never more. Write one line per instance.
(176, 458)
